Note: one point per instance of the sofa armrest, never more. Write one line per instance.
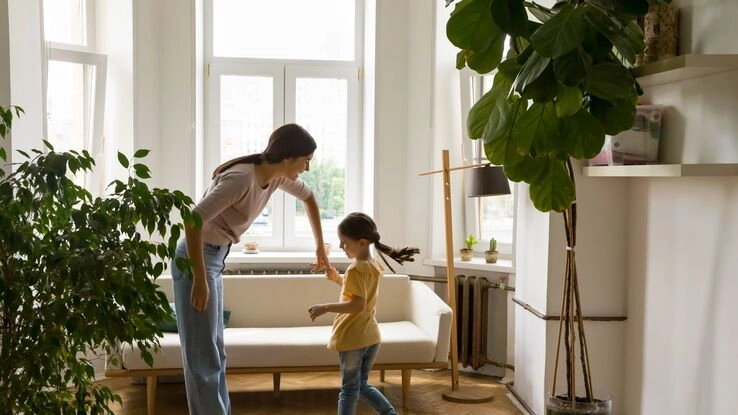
(429, 312)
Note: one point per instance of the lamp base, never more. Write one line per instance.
(468, 395)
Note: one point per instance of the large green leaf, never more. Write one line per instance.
(479, 114)
(499, 142)
(527, 170)
(510, 16)
(568, 101)
(537, 129)
(530, 71)
(553, 189)
(632, 7)
(560, 34)
(571, 69)
(628, 39)
(582, 135)
(609, 81)
(544, 88)
(614, 116)
(471, 28)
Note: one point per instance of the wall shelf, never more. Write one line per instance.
(662, 170)
(684, 67)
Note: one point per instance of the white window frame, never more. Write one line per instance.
(95, 79)
(472, 89)
(285, 73)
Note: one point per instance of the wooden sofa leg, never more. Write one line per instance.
(276, 378)
(405, 386)
(151, 382)
(381, 375)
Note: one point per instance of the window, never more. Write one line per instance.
(261, 76)
(75, 83)
(492, 216)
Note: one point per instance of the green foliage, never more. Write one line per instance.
(493, 244)
(76, 275)
(565, 83)
(470, 242)
(327, 182)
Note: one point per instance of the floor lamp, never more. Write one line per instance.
(490, 180)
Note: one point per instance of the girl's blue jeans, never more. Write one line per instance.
(201, 335)
(355, 367)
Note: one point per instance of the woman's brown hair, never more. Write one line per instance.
(287, 141)
(359, 225)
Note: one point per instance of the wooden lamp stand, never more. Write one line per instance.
(456, 394)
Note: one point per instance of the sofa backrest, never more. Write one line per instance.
(283, 300)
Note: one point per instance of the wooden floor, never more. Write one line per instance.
(317, 394)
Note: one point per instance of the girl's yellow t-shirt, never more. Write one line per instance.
(359, 330)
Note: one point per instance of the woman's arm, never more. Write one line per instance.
(354, 305)
(313, 214)
(200, 290)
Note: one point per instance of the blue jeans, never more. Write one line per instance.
(201, 335)
(355, 367)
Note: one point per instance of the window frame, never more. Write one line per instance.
(472, 87)
(284, 237)
(95, 81)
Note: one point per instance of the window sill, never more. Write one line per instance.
(504, 266)
(275, 257)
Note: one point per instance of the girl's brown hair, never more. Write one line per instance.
(287, 141)
(358, 225)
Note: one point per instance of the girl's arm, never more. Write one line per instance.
(200, 290)
(354, 305)
(333, 275)
(313, 214)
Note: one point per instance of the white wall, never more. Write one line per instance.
(682, 239)
(26, 61)
(4, 70)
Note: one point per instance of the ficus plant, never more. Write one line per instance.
(77, 275)
(563, 80)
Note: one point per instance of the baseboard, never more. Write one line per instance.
(517, 400)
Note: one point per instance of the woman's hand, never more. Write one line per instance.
(317, 311)
(322, 262)
(199, 294)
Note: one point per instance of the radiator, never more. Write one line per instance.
(471, 320)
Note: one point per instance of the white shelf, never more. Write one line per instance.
(662, 170)
(684, 67)
(306, 258)
(502, 265)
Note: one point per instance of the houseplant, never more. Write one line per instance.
(565, 82)
(490, 255)
(76, 275)
(468, 252)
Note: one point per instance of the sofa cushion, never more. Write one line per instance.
(170, 325)
(402, 342)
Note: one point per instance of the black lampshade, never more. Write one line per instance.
(488, 180)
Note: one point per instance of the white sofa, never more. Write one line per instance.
(270, 331)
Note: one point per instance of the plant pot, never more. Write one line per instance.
(490, 257)
(561, 405)
(466, 254)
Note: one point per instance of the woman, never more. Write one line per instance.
(240, 190)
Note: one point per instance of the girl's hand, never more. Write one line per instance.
(317, 311)
(332, 274)
(200, 294)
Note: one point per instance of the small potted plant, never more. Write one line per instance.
(490, 256)
(468, 252)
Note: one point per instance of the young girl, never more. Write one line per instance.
(355, 329)
(240, 190)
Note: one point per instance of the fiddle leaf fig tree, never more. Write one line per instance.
(563, 82)
(77, 275)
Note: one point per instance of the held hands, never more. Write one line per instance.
(332, 275)
(317, 311)
(322, 260)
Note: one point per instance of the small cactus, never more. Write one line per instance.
(470, 242)
(493, 244)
